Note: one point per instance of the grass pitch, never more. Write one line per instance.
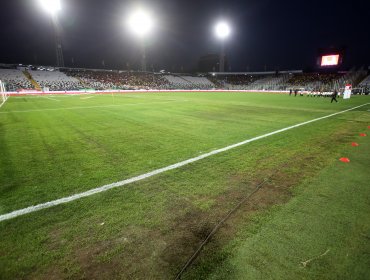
(55, 146)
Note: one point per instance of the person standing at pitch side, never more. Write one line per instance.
(334, 96)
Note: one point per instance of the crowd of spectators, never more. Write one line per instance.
(238, 81)
(250, 81)
(187, 82)
(320, 82)
(78, 79)
(314, 81)
(364, 86)
(243, 79)
(14, 80)
(269, 82)
(55, 80)
(125, 80)
(105, 80)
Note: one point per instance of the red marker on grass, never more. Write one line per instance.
(344, 159)
(354, 144)
(363, 134)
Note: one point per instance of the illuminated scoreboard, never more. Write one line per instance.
(330, 60)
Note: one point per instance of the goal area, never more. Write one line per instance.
(3, 94)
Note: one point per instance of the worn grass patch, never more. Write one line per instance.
(150, 228)
(322, 232)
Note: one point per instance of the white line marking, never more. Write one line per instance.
(1, 105)
(86, 107)
(47, 97)
(105, 188)
(57, 109)
(87, 97)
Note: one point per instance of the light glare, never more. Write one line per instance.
(222, 30)
(330, 60)
(51, 6)
(140, 23)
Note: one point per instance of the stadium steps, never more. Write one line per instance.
(82, 82)
(360, 78)
(32, 81)
(182, 78)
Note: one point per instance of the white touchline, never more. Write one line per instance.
(104, 188)
(50, 98)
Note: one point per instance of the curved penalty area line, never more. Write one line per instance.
(105, 188)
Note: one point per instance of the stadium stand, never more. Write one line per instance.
(364, 86)
(55, 80)
(104, 80)
(253, 80)
(233, 82)
(77, 79)
(353, 77)
(188, 82)
(314, 81)
(271, 82)
(365, 82)
(14, 80)
(319, 82)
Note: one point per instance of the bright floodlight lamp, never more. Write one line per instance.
(140, 23)
(51, 6)
(222, 30)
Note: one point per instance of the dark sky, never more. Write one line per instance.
(284, 34)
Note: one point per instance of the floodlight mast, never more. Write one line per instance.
(141, 24)
(222, 31)
(58, 42)
(52, 7)
(143, 56)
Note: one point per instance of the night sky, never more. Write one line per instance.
(266, 34)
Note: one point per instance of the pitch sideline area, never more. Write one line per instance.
(104, 188)
(321, 233)
(152, 227)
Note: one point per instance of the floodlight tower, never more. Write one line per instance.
(141, 24)
(222, 30)
(53, 7)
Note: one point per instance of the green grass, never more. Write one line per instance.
(150, 228)
(322, 233)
